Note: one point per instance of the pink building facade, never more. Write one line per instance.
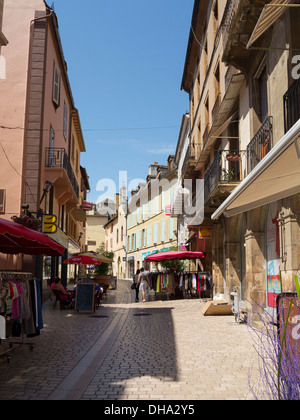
(40, 135)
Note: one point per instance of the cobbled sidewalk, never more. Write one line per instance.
(160, 350)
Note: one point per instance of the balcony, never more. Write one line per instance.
(291, 103)
(260, 145)
(240, 18)
(225, 173)
(189, 163)
(58, 164)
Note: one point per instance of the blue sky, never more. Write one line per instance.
(125, 62)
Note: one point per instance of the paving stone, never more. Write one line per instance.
(175, 353)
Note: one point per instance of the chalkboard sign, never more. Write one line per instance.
(85, 297)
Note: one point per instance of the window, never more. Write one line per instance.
(56, 85)
(260, 91)
(216, 13)
(263, 95)
(2, 201)
(65, 120)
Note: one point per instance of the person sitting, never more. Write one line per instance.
(64, 296)
(98, 294)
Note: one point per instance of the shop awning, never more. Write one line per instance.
(175, 255)
(276, 176)
(271, 12)
(17, 239)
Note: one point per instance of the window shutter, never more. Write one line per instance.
(163, 200)
(171, 228)
(162, 234)
(149, 236)
(156, 205)
(56, 85)
(155, 233)
(2, 201)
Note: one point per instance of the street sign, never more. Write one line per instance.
(49, 225)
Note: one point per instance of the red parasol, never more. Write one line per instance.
(175, 255)
(18, 239)
(82, 259)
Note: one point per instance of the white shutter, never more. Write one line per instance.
(155, 233)
(163, 231)
(171, 228)
(149, 236)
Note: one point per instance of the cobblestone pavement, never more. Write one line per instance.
(158, 350)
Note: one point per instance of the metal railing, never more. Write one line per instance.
(291, 105)
(260, 145)
(227, 167)
(58, 158)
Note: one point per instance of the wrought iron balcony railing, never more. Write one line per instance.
(58, 158)
(260, 145)
(228, 167)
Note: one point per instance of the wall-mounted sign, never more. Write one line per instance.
(168, 210)
(205, 233)
(49, 223)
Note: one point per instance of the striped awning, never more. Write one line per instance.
(271, 12)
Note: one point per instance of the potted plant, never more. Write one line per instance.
(229, 175)
(28, 221)
(233, 156)
(103, 271)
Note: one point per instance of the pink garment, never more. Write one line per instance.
(16, 301)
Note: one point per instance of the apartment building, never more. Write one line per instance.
(115, 234)
(150, 226)
(41, 136)
(245, 143)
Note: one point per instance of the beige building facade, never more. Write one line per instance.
(95, 231)
(150, 226)
(244, 140)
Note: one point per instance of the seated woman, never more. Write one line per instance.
(63, 294)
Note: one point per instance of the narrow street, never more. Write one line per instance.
(160, 350)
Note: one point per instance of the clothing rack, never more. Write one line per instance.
(188, 291)
(21, 277)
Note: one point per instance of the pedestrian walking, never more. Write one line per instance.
(136, 284)
(143, 283)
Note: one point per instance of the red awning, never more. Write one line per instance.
(18, 239)
(82, 259)
(175, 255)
